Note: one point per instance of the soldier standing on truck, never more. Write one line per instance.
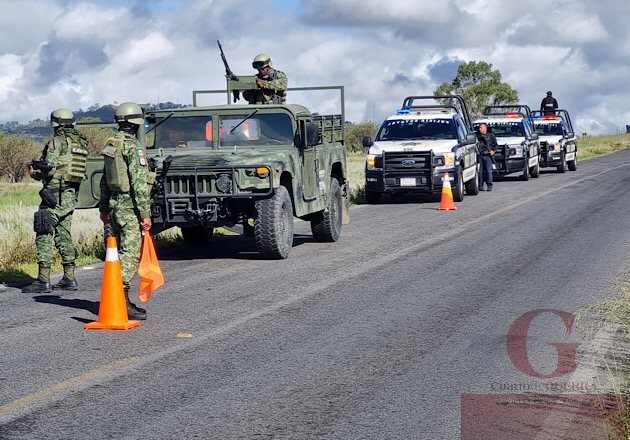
(61, 168)
(487, 144)
(125, 194)
(272, 84)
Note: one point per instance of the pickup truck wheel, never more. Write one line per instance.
(535, 170)
(326, 225)
(273, 227)
(525, 176)
(562, 168)
(458, 190)
(373, 197)
(572, 164)
(197, 235)
(472, 186)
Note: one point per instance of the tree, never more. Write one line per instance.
(97, 135)
(480, 86)
(355, 133)
(16, 151)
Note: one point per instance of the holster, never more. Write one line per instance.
(48, 197)
(42, 223)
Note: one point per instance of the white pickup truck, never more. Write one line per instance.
(415, 147)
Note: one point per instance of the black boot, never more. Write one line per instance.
(42, 284)
(68, 282)
(133, 311)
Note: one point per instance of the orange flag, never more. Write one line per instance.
(149, 269)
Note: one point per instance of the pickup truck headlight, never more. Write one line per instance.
(374, 162)
(515, 151)
(556, 147)
(446, 161)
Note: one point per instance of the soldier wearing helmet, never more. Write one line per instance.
(548, 105)
(125, 194)
(61, 168)
(272, 84)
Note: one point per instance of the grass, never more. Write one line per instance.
(591, 146)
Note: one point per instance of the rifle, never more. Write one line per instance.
(159, 183)
(41, 165)
(229, 74)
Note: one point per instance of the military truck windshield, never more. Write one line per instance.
(549, 129)
(199, 131)
(505, 129)
(401, 129)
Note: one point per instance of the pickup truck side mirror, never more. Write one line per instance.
(570, 134)
(471, 138)
(367, 141)
(534, 136)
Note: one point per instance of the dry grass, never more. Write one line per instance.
(591, 146)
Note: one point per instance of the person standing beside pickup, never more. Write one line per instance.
(487, 144)
(61, 169)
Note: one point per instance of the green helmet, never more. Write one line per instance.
(62, 118)
(130, 112)
(262, 60)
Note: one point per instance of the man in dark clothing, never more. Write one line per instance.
(487, 144)
(548, 105)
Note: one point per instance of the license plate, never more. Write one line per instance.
(407, 181)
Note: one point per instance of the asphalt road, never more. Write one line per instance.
(381, 335)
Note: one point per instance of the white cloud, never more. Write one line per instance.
(78, 53)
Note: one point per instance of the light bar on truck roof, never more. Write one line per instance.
(403, 111)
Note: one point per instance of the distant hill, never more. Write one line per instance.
(39, 130)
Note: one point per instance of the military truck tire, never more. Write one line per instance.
(273, 227)
(326, 225)
(197, 235)
(525, 176)
(373, 197)
(458, 190)
(562, 168)
(572, 164)
(535, 171)
(472, 186)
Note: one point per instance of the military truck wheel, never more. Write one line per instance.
(525, 176)
(458, 190)
(472, 186)
(373, 197)
(535, 171)
(562, 168)
(197, 235)
(326, 225)
(273, 227)
(572, 164)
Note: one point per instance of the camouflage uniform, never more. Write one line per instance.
(273, 92)
(65, 193)
(127, 209)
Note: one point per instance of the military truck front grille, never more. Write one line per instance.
(188, 186)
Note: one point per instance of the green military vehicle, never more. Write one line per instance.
(255, 165)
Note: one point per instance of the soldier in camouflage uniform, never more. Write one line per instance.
(125, 194)
(61, 169)
(272, 84)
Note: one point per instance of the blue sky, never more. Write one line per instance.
(69, 53)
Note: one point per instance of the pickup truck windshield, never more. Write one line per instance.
(549, 129)
(401, 129)
(199, 131)
(505, 129)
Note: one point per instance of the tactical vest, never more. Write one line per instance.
(115, 165)
(71, 163)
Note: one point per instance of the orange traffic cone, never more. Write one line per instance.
(112, 312)
(447, 203)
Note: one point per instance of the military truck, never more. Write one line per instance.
(518, 146)
(255, 165)
(558, 143)
(416, 147)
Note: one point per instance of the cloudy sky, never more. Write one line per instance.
(68, 53)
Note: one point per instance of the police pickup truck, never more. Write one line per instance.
(415, 147)
(558, 143)
(518, 145)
